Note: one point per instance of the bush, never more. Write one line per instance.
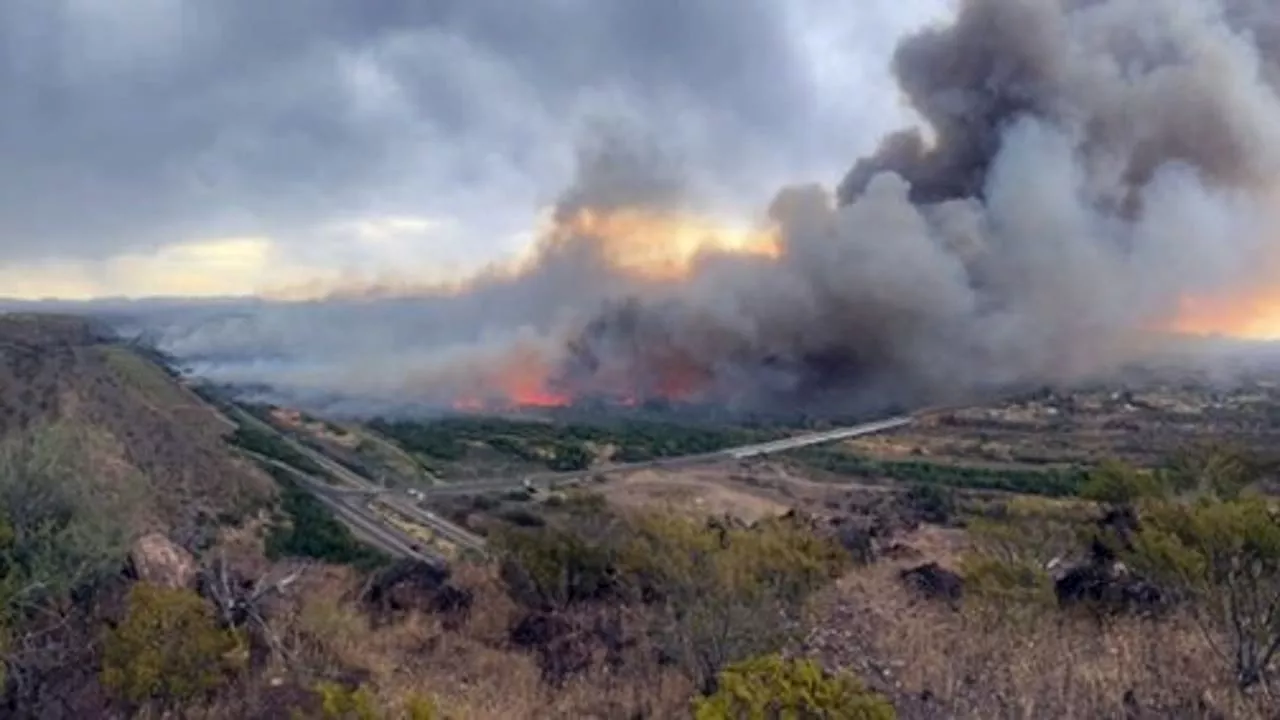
(168, 650)
(933, 503)
(1115, 483)
(720, 594)
(774, 687)
(553, 568)
(341, 703)
(263, 443)
(1049, 482)
(1223, 558)
(570, 458)
(59, 531)
(711, 594)
(522, 517)
(338, 702)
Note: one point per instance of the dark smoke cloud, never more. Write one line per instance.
(1090, 164)
(1087, 164)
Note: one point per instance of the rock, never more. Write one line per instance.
(1107, 586)
(158, 560)
(934, 582)
(901, 551)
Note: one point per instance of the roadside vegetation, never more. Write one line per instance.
(557, 446)
(271, 446)
(304, 528)
(449, 444)
(1051, 482)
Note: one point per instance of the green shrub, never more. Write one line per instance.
(269, 445)
(168, 650)
(935, 504)
(770, 687)
(59, 530)
(310, 530)
(339, 702)
(569, 458)
(1222, 557)
(722, 594)
(1115, 483)
(554, 567)
(1049, 482)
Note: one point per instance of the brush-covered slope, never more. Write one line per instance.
(133, 427)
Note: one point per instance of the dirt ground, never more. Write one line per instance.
(695, 492)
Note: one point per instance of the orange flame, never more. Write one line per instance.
(1251, 315)
(517, 385)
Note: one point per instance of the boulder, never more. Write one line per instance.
(935, 582)
(158, 560)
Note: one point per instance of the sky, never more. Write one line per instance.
(233, 147)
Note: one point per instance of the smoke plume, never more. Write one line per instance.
(1087, 166)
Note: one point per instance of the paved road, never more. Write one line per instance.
(353, 512)
(353, 491)
(740, 452)
(351, 495)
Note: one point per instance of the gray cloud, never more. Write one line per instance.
(1094, 163)
(143, 122)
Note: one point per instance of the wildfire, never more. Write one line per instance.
(638, 243)
(1251, 316)
(661, 246)
(514, 386)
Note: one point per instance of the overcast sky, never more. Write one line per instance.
(222, 146)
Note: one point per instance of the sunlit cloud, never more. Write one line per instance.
(237, 266)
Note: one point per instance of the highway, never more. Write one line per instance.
(354, 493)
(352, 497)
(356, 516)
(741, 452)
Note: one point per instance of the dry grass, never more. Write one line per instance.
(991, 662)
(471, 672)
(156, 434)
(982, 662)
(699, 494)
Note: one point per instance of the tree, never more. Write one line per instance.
(169, 649)
(1223, 558)
(773, 687)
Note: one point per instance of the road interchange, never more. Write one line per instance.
(355, 500)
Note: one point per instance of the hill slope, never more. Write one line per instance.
(153, 439)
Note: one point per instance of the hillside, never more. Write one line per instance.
(152, 438)
(507, 568)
